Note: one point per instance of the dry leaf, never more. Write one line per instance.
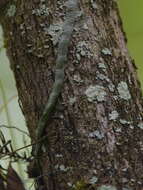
(2, 187)
(13, 180)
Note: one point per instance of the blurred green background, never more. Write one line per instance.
(132, 15)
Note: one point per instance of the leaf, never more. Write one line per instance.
(2, 187)
(13, 180)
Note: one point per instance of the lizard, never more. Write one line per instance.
(72, 12)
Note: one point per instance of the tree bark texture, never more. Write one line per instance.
(95, 135)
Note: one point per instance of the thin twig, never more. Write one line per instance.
(29, 145)
(14, 127)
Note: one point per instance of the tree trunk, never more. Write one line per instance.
(95, 135)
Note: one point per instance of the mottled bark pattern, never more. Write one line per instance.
(96, 134)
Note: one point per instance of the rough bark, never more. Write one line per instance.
(95, 135)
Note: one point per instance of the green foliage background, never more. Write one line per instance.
(132, 14)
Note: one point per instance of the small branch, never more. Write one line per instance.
(13, 127)
(15, 151)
